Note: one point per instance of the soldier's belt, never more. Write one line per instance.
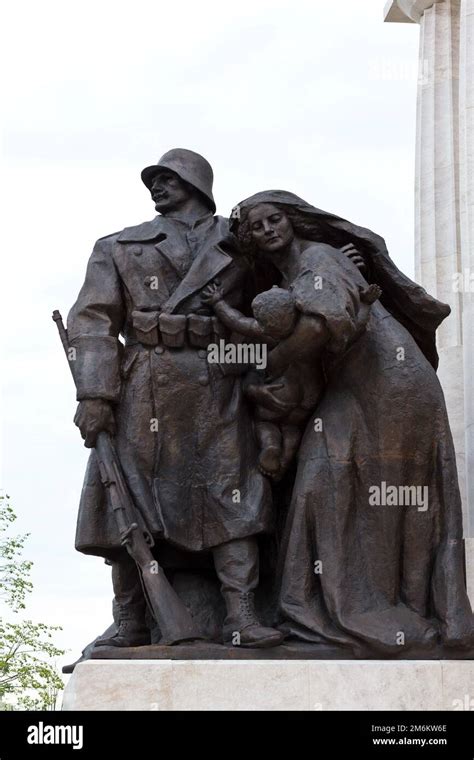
(176, 330)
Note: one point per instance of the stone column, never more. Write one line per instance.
(444, 210)
(466, 202)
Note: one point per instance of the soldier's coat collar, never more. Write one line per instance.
(145, 231)
(158, 226)
(207, 218)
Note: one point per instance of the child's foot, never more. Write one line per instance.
(371, 294)
(269, 461)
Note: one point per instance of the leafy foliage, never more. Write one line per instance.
(28, 676)
(14, 582)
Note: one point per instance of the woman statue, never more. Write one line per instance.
(372, 555)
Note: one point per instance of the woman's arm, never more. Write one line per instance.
(305, 343)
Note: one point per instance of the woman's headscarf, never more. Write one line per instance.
(409, 303)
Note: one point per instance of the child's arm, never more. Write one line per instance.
(370, 294)
(230, 317)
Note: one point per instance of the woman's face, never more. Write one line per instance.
(270, 228)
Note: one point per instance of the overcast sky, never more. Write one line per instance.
(317, 97)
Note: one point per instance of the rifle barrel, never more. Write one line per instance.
(64, 337)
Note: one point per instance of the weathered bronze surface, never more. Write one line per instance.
(269, 385)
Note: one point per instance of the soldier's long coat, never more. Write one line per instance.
(195, 480)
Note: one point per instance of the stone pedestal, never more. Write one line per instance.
(444, 209)
(271, 685)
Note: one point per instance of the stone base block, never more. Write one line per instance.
(271, 685)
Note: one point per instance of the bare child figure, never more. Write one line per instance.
(283, 404)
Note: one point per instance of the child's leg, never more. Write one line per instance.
(291, 438)
(269, 440)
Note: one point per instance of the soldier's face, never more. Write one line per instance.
(168, 192)
(271, 229)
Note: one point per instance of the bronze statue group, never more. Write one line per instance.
(225, 459)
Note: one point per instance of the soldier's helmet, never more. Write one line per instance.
(189, 166)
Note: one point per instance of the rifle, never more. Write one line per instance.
(175, 622)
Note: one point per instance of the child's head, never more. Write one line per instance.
(275, 312)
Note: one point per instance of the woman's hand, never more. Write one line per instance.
(355, 256)
(212, 293)
(263, 395)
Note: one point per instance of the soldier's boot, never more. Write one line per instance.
(132, 630)
(129, 608)
(242, 626)
(237, 566)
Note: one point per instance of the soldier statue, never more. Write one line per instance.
(181, 426)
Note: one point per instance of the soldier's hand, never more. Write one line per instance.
(92, 417)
